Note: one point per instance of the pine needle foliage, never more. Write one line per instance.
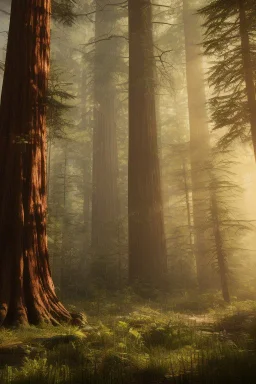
(63, 11)
(59, 100)
(225, 227)
(222, 44)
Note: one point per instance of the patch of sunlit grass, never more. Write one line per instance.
(148, 343)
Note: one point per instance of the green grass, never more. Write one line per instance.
(144, 342)
(27, 334)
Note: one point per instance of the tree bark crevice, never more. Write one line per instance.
(26, 288)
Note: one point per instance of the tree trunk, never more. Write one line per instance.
(105, 163)
(86, 168)
(48, 175)
(64, 266)
(248, 70)
(189, 210)
(56, 212)
(219, 249)
(147, 248)
(86, 161)
(26, 288)
(199, 142)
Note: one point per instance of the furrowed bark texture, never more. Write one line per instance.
(147, 248)
(26, 287)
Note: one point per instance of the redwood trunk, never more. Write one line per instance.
(199, 143)
(26, 288)
(147, 248)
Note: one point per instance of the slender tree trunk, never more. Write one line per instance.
(55, 207)
(86, 161)
(64, 270)
(105, 163)
(189, 210)
(26, 288)
(86, 201)
(219, 249)
(199, 142)
(86, 118)
(248, 70)
(147, 248)
(48, 176)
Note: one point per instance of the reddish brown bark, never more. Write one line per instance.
(26, 288)
(147, 248)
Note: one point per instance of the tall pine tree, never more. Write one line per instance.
(229, 40)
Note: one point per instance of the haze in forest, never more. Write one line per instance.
(87, 193)
(127, 171)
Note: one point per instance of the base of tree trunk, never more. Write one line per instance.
(20, 317)
(55, 317)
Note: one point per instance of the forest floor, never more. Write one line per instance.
(186, 339)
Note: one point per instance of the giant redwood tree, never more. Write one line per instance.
(26, 288)
(147, 248)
